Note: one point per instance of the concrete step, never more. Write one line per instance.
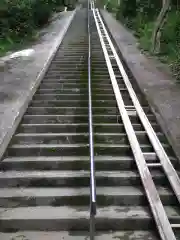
(54, 128)
(77, 103)
(117, 196)
(73, 84)
(77, 218)
(50, 138)
(38, 119)
(80, 149)
(70, 163)
(56, 75)
(57, 178)
(76, 96)
(95, 109)
(79, 235)
(74, 52)
(77, 127)
(48, 149)
(70, 62)
(81, 118)
(66, 138)
(71, 53)
(49, 96)
(58, 110)
(72, 103)
(74, 80)
(73, 163)
(98, 98)
(73, 110)
(74, 90)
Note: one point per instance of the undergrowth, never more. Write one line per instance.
(140, 17)
(21, 19)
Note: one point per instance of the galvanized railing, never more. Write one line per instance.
(91, 144)
(163, 223)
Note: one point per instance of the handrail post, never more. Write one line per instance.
(91, 144)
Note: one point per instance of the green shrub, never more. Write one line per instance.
(126, 12)
(148, 9)
(170, 39)
(112, 6)
(41, 11)
(16, 18)
(127, 9)
(145, 35)
(140, 16)
(19, 18)
(175, 67)
(170, 42)
(135, 13)
(109, 6)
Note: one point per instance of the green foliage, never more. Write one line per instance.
(20, 18)
(144, 33)
(170, 42)
(148, 9)
(171, 33)
(140, 16)
(109, 6)
(14, 18)
(127, 9)
(112, 6)
(134, 13)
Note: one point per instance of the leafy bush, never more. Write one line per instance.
(136, 12)
(126, 12)
(140, 16)
(170, 42)
(19, 18)
(127, 9)
(148, 9)
(175, 67)
(41, 11)
(15, 18)
(145, 34)
(112, 6)
(109, 6)
(171, 33)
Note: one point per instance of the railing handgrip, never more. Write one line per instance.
(91, 144)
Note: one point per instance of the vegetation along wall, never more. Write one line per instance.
(20, 19)
(157, 25)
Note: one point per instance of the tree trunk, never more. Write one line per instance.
(159, 25)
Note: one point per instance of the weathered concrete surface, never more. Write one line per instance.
(20, 76)
(160, 89)
(123, 235)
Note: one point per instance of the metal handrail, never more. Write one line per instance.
(157, 208)
(91, 144)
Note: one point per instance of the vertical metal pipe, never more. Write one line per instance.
(91, 144)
